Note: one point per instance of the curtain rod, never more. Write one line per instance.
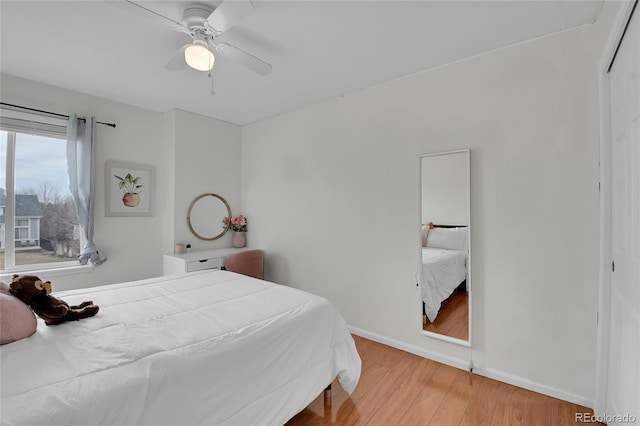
(53, 113)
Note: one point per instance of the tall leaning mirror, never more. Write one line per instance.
(445, 253)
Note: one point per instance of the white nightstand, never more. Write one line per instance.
(197, 260)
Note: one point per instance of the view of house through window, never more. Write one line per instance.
(45, 222)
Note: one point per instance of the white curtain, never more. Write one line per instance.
(81, 165)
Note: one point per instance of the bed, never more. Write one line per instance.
(211, 347)
(445, 254)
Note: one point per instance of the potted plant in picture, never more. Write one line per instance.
(131, 187)
(238, 224)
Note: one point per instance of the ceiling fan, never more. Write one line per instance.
(204, 24)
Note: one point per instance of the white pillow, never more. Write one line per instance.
(448, 238)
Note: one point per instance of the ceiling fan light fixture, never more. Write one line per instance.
(199, 57)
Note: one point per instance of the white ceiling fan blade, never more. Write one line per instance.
(228, 14)
(177, 62)
(141, 10)
(256, 65)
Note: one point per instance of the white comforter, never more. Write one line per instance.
(205, 348)
(442, 271)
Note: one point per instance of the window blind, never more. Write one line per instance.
(33, 124)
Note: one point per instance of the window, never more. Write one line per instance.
(22, 229)
(34, 194)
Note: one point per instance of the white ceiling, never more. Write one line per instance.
(319, 49)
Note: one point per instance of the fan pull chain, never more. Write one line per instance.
(211, 77)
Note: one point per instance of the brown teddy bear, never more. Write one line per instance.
(35, 293)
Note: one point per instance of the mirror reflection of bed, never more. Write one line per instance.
(445, 255)
(445, 295)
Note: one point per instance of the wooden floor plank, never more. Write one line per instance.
(398, 388)
(430, 397)
(454, 404)
(484, 399)
(409, 399)
(509, 409)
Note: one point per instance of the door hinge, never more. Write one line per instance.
(613, 266)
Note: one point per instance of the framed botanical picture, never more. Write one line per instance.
(130, 189)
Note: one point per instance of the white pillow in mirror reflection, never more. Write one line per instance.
(448, 238)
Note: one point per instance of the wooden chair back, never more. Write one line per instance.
(250, 262)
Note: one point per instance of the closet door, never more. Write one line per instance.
(623, 389)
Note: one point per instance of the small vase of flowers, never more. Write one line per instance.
(238, 224)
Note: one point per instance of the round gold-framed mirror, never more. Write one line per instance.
(205, 215)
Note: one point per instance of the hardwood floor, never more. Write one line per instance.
(453, 317)
(398, 388)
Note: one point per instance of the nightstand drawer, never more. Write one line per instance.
(198, 260)
(199, 265)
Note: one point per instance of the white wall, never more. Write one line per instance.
(192, 154)
(206, 159)
(333, 193)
